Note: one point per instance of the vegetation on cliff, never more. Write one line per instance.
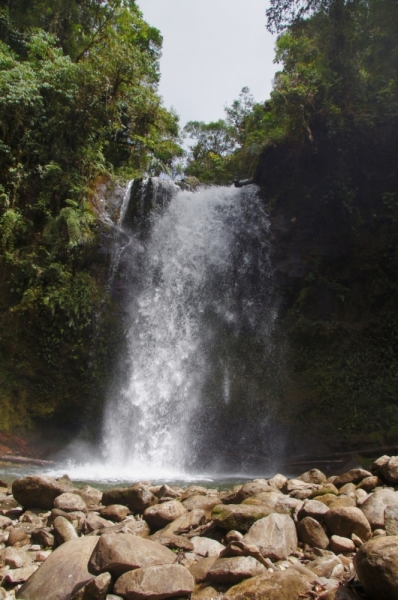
(324, 150)
(78, 99)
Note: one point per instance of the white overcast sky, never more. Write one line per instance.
(211, 49)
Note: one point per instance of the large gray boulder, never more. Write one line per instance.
(155, 583)
(63, 573)
(376, 564)
(118, 553)
(283, 585)
(38, 491)
(137, 498)
(275, 536)
(234, 569)
(374, 507)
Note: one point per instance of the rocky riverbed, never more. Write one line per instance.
(311, 537)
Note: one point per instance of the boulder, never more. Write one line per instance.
(343, 501)
(62, 574)
(376, 466)
(373, 508)
(136, 497)
(96, 589)
(183, 524)
(353, 476)
(323, 566)
(38, 491)
(233, 536)
(129, 525)
(275, 536)
(293, 485)
(122, 552)
(326, 499)
(313, 476)
(252, 488)
(18, 536)
(155, 583)
(15, 558)
(369, 483)
(283, 585)
(314, 509)
(204, 592)
(341, 545)
(115, 512)
(391, 520)
(200, 569)
(344, 521)
(90, 495)
(376, 564)
(311, 532)
(94, 522)
(63, 530)
(277, 481)
(20, 575)
(69, 502)
(234, 569)
(238, 516)
(194, 490)
(325, 489)
(389, 470)
(160, 515)
(204, 546)
(175, 542)
(206, 503)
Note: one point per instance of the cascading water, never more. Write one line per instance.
(197, 377)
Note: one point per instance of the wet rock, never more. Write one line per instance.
(344, 521)
(373, 508)
(391, 520)
(137, 498)
(200, 569)
(69, 502)
(313, 476)
(155, 583)
(96, 589)
(37, 491)
(314, 509)
(275, 536)
(238, 516)
(119, 553)
(341, 545)
(312, 533)
(204, 546)
(235, 569)
(115, 512)
(353, 476)
(63, 530)
(160, 515)
(285, 585)
(62, 574)
(376, 564)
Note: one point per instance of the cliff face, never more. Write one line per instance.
(336, 265)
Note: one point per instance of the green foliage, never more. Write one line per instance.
(78, 99)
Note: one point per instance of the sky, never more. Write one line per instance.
(211, 49)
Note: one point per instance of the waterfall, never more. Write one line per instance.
(194, 390)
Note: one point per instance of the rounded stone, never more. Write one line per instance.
(376, 564)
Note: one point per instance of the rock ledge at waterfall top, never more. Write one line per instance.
(283, 539)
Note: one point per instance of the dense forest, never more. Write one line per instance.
(79, 105)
